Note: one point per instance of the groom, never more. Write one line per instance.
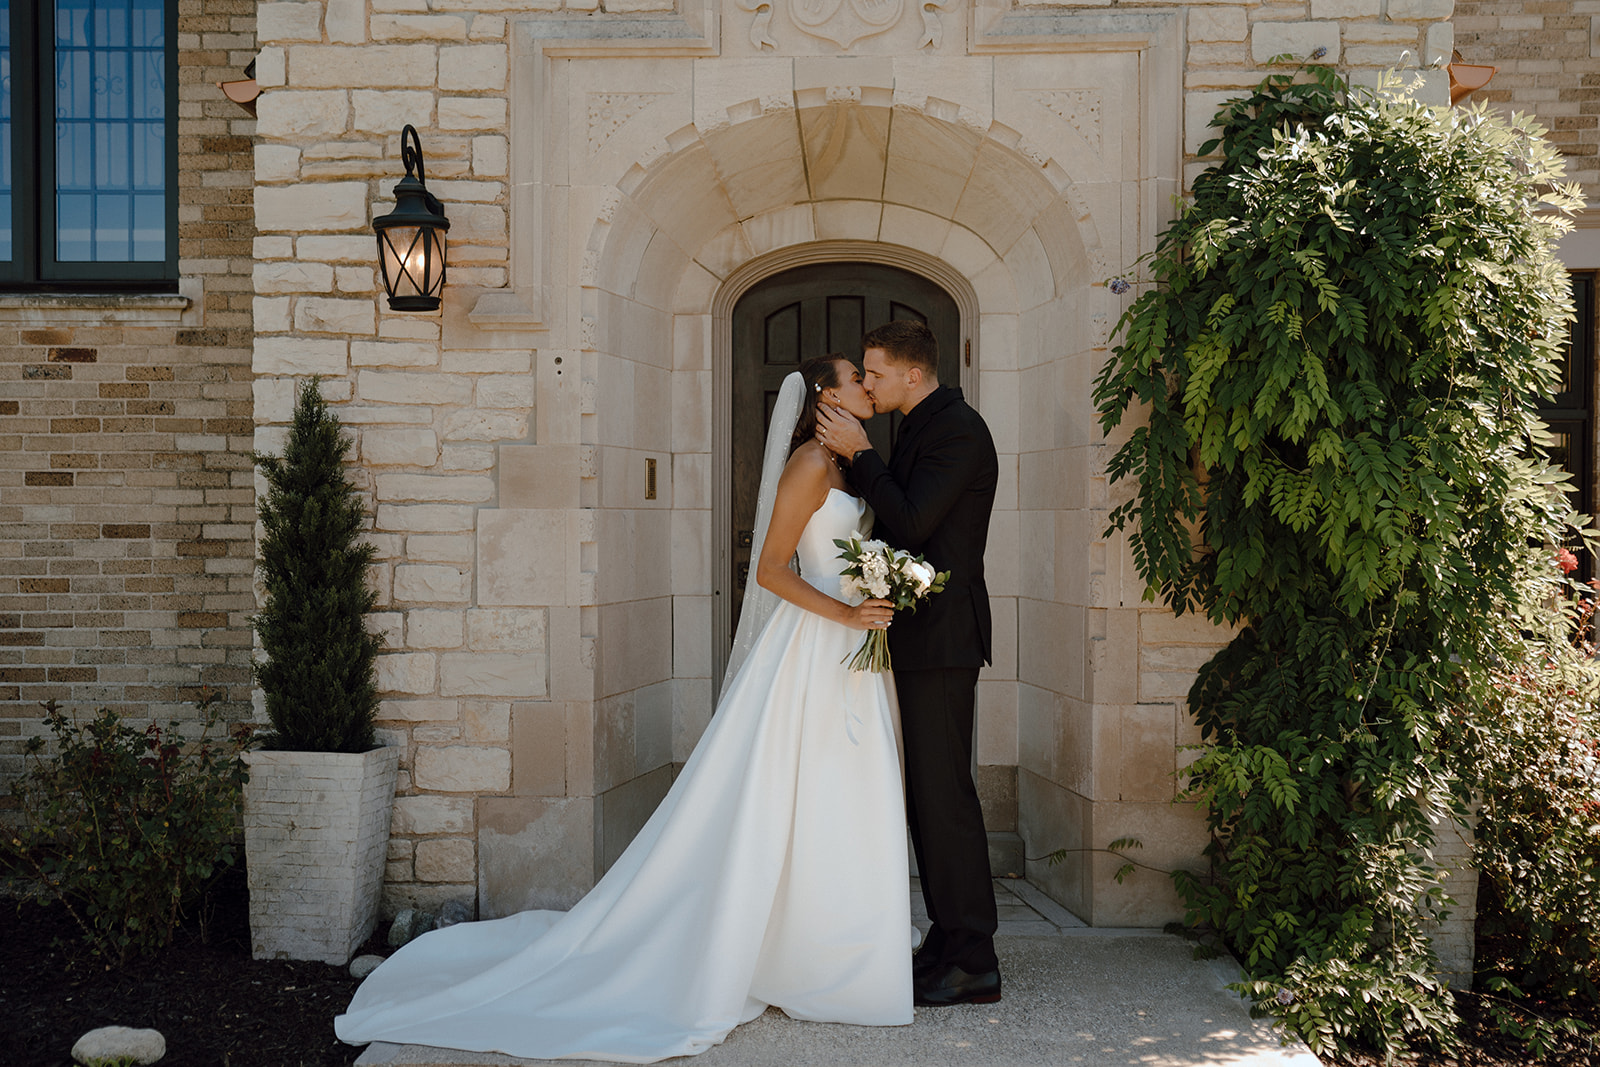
(933, 497)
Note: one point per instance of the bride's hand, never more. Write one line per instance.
(870, 615)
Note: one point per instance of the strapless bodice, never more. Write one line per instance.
(840, 516)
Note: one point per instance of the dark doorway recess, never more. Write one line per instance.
(811, 311)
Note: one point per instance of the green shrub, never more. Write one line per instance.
(127, 826)
(1355, 320)
(319, 677)
(1535, 760)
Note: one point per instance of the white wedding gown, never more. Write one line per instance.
(773, 873)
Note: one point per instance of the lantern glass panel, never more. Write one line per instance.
(413, 259)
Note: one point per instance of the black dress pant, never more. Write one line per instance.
(952, 847)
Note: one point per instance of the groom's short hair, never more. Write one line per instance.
(906, 341)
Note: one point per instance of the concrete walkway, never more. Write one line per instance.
(1073, 995)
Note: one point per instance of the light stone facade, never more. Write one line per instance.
(617, 173)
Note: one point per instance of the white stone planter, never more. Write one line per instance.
(316, 826)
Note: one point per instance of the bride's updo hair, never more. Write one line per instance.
(818, 373)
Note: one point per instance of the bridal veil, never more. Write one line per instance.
(759, 603)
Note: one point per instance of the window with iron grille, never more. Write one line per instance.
(88, 145)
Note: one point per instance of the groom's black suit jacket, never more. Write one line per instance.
(934, 497)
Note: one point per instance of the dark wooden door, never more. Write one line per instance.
(805, 312)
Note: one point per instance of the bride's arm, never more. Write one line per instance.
(801, 491)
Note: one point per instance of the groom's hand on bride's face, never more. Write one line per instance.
(840, 432)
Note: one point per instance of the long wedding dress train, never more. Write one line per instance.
(773, 873)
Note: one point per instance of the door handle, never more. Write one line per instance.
(745, 538)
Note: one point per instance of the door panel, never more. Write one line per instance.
(791, 317)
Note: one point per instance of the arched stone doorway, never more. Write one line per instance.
(1015, 239)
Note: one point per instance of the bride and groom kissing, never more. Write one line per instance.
(774, 872)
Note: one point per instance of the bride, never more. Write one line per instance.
(774, 871)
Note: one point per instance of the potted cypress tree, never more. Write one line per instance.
(317, 805)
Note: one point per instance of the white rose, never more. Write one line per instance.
(878, 588)
(922, 574)
(873, 546)
(849, 588)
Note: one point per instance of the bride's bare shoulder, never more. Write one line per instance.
(811, 459)
(807, 471)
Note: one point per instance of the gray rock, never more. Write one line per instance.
(362, 966)
(119, 1045)
(404, 927)
(410, 924)
(454, 911)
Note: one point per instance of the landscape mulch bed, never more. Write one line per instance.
(217, 1007)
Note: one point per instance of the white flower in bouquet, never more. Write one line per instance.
(921, 574)
(884, 573)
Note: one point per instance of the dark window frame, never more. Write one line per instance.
(1571, 411)
(34, 267)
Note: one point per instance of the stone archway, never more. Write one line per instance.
(1007, 229)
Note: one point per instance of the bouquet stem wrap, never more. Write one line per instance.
(873, 655)
(873, 569)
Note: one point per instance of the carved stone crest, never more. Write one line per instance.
(843, 22)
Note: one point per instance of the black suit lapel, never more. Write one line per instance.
(920, 416)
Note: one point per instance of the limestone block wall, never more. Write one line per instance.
(126, 499)
(477, 539)
(613, 175)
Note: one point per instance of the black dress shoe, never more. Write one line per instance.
(949, 984)
(923, 963)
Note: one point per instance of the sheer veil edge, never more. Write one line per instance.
(758, 603)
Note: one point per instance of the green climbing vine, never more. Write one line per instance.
(1340, 361)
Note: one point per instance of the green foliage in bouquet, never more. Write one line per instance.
(873, 569)
(319, 677)
(125, 826)
(1354, 322)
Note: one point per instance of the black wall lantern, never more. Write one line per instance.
(411, 243)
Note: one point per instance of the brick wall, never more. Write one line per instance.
(1547, 55)
(126, 495)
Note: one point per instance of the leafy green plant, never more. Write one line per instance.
(1342, 458)
(319, 677)
(1536, 764)
(127, 826)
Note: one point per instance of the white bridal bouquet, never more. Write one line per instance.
(873, 569)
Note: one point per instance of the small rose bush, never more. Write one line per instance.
(126, 825)
(1535, 762)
